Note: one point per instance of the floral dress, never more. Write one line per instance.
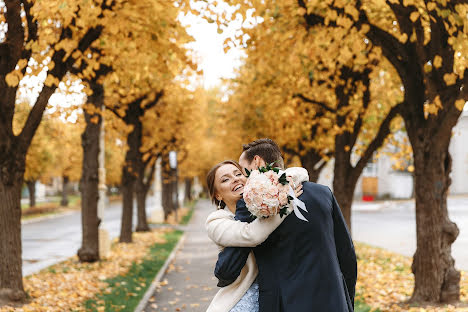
(249, 302)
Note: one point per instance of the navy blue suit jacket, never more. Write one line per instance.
(303, 266)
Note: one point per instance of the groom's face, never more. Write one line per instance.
(250, 165)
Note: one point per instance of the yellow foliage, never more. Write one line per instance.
(459, 104)
(287, 64)
(66, 286)
(385, 282)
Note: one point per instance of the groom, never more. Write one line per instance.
(303, 266)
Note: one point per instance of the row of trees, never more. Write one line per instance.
(325, 79)
(131, 60)
(333, 79)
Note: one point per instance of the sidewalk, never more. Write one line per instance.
(189, 283)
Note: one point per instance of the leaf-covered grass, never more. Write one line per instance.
(360, 306)
(186, 218)
(385, 283)
(49, 208)
(183, 215)
(124, 292)
(73, 200)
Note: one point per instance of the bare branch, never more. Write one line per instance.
(383, 132)
(59, 71)
(153, 103)
(311, 101)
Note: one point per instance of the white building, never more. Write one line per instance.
(459, 152)
(394, 184)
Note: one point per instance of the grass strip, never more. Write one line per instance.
(361, 306)
(186, 219)
(124, 292)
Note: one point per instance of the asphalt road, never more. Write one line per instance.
(53, 240)
(392, 225)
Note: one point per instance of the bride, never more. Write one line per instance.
(226, 184)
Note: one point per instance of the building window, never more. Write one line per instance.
(371, 169)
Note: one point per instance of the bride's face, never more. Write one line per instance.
(229, 184)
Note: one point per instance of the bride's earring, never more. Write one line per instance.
(219, 204)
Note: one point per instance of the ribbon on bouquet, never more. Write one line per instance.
(297, 203)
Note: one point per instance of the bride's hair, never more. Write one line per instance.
(210, 180)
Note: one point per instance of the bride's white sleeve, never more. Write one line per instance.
(298, 174)
(226, 232)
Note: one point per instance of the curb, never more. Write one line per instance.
(39, 219)
(150, 291)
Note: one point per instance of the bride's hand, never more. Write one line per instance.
(297, 188)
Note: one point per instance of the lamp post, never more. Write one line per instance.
(157, 215)
(175, 188)
(104, 239)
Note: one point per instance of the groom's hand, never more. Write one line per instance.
(242, 213)
(232, 259)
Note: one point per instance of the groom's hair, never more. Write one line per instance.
(267, 149)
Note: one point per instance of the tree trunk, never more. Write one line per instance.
(167, 202)
(343, 190)
(310, 161)
(188, 189)
(175, 193)
(344, 177)
(32, 193)
(131, 169)
(64, 201)
(11, 277)
(142, 224)
(89, 251)
(436, 278)
(128, 189)
(128, 181)
(167, 186)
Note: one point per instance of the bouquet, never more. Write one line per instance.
(267, 192)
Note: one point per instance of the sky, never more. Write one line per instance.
(209, 50)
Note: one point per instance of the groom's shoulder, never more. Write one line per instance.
(317, 191)
(318, 188)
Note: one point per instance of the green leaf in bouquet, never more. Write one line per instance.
(283, 211)
(276, 170)
(283, 180)
(247, 171)
(290, 197)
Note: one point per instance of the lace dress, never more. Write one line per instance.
(249, 302)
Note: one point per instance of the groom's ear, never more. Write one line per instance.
(258, 161)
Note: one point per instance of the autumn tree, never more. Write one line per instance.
(41, 37)
(182, 111)
(311, 92)
(424, 41)
(89, 183)
(141, 74)
(40, 156)
(67, 137)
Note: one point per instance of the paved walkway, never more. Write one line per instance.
(189, 283)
